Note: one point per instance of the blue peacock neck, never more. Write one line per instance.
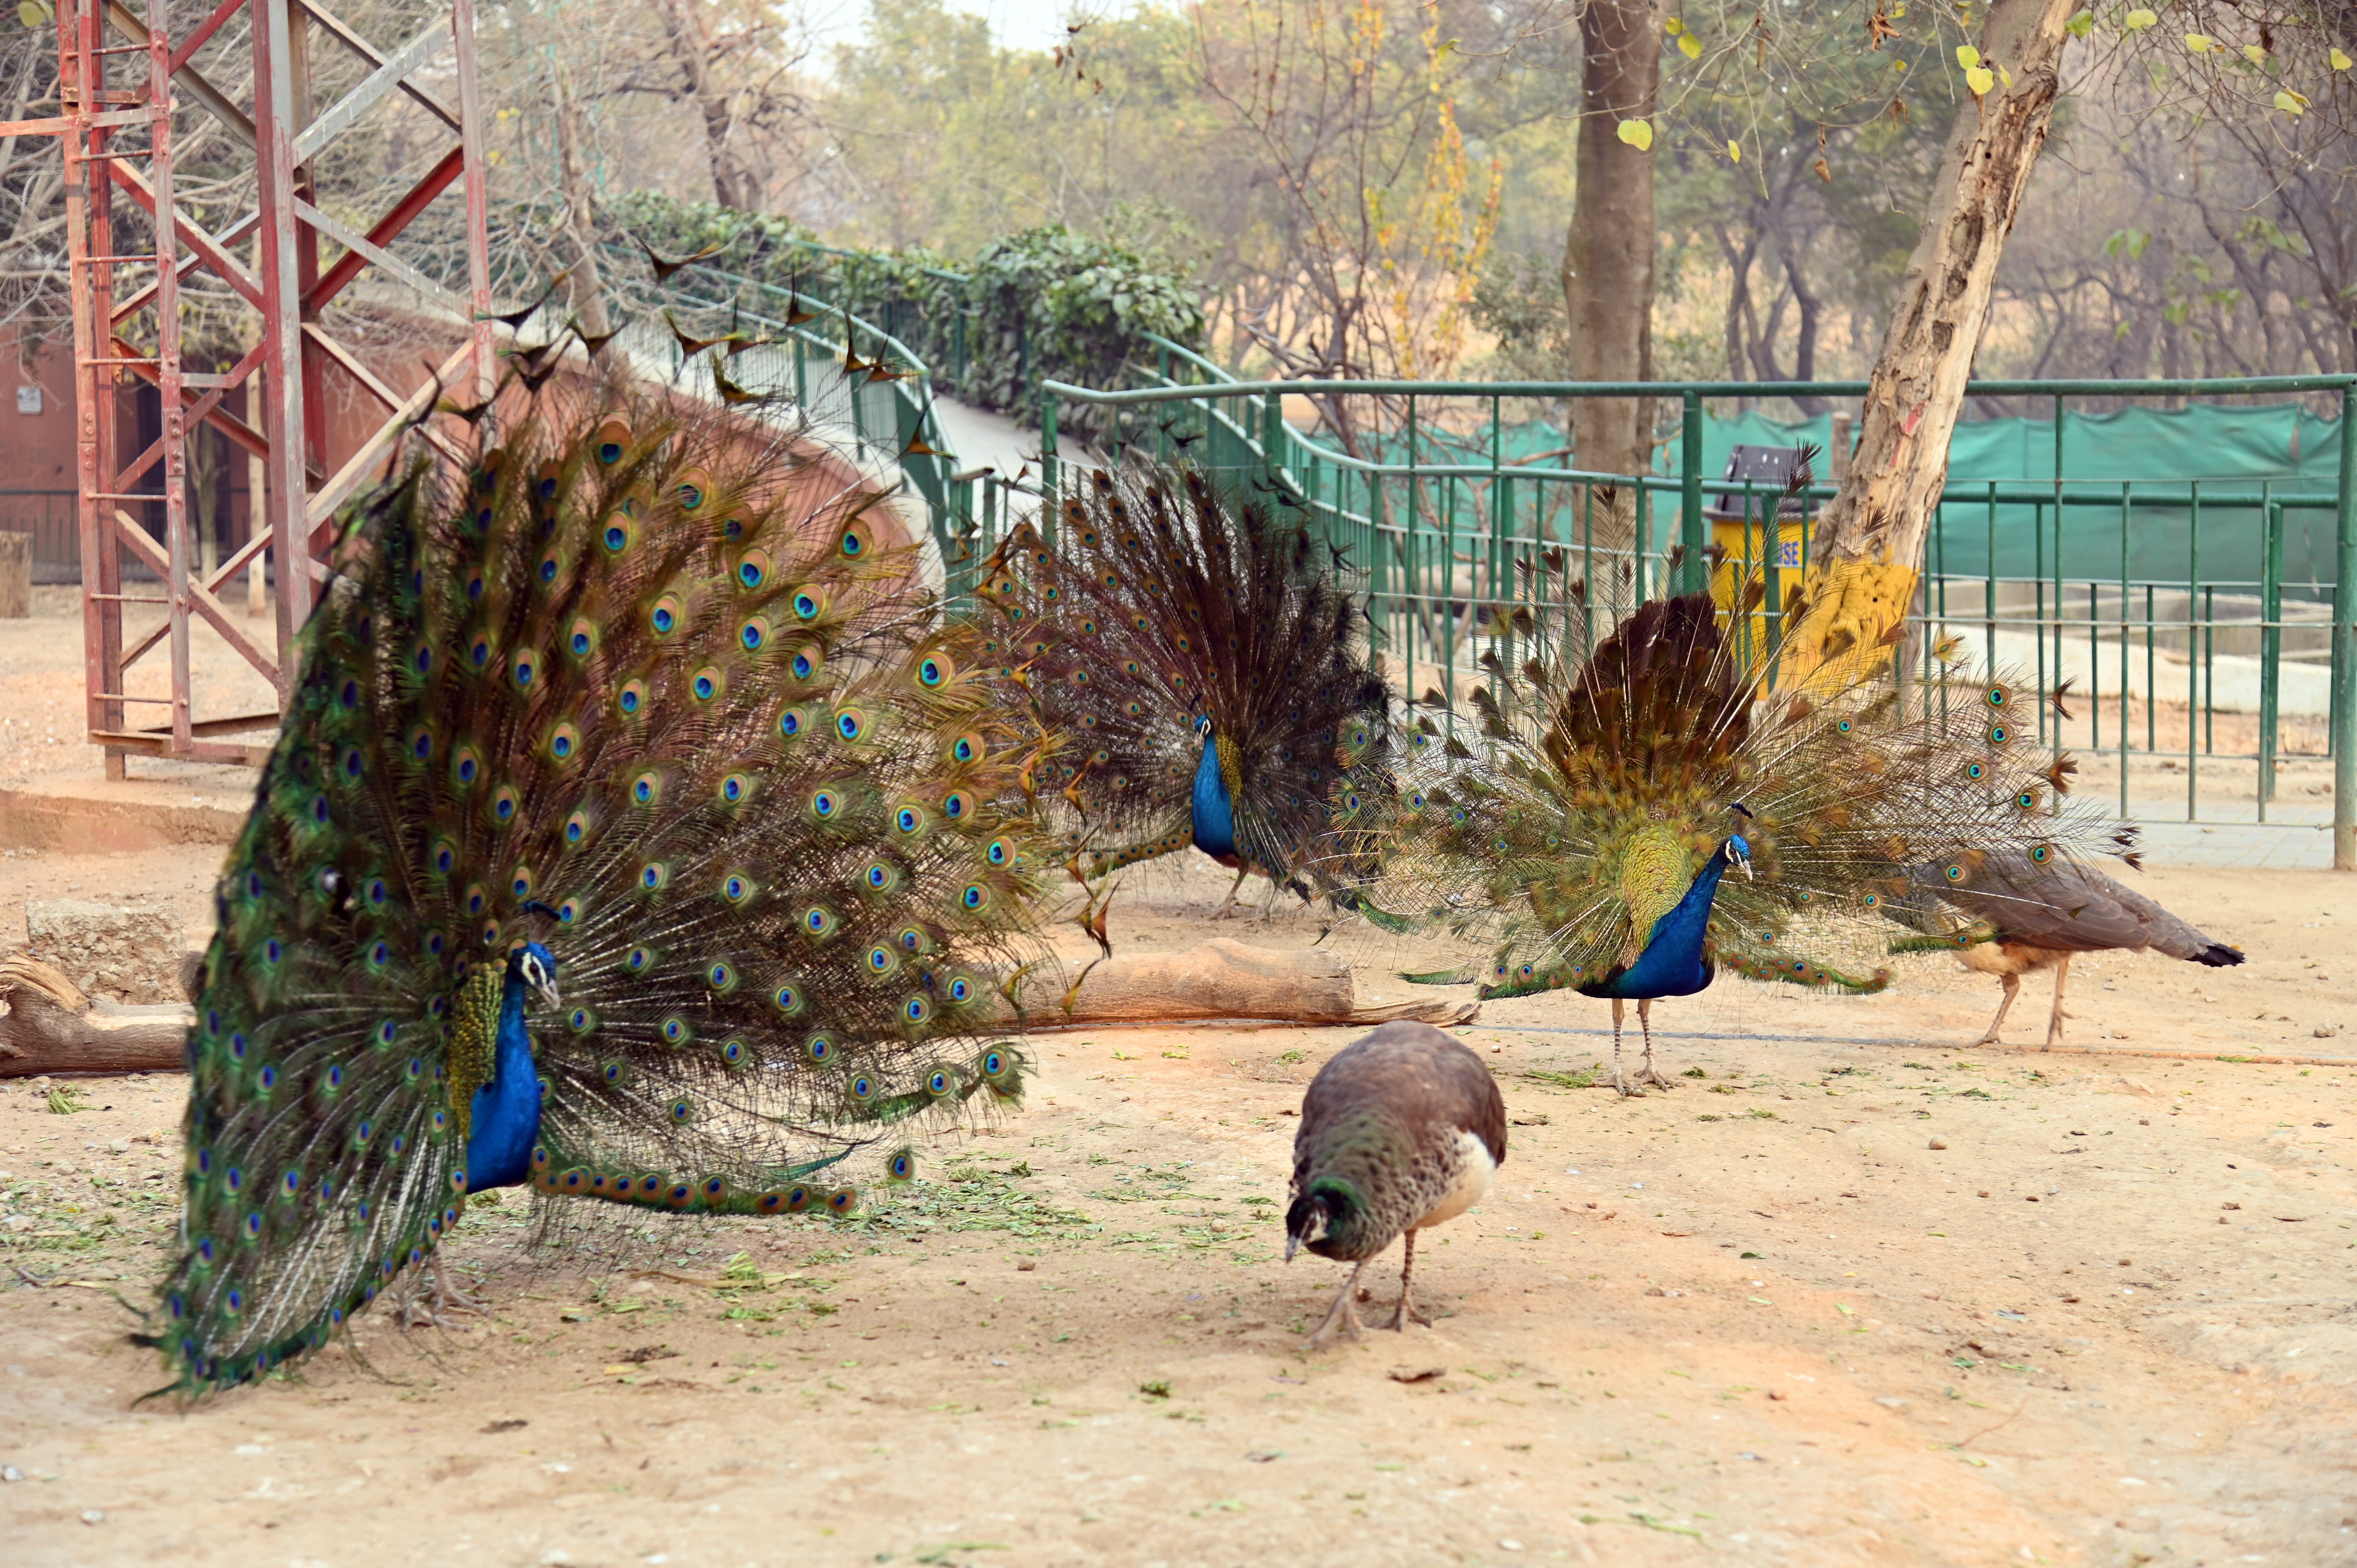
(1672, 964)
(505, 1111)
(1211, 808)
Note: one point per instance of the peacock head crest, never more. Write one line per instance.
(1739, 848)
(529, 964)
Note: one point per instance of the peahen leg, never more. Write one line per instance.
(1618, 1012)
(1406, 1302)
(1224, 911)
(1341, 1311)
(1645, 1021)
(2012, 983)
(2054, 1020)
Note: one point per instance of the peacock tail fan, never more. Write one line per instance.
(656, 691)
(1166, 604)
(1578, 799)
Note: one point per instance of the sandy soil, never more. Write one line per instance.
(1827, 1302)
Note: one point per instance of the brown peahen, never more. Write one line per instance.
(643, 715)
(1205, 663)
(1622, 820)
(1400, 1132)
(2018, 920)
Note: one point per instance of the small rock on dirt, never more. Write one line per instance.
(1418, 1374)
(1939, 1143)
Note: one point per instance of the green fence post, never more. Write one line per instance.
(1692, 532)
(2270, 647)
(2344, 648)
(1050, 476)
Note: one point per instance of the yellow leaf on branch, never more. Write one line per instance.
(1638, 134)
(1967, 56)
(1980, 79)
(2200, 42)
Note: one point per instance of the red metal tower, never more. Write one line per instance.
(110, 93)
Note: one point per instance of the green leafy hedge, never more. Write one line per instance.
(1044, 303)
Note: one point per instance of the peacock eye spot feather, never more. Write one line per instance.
(676, 1031)
(807, 605)
(790, 724)
(819, 1048)
(804, 666)
(579, 1021)
(823, 803)
(735, 889)
(706, 683)
(753, 634)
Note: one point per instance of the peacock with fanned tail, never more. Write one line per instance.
(630, 836)
(1624, 820)
(1204, 661)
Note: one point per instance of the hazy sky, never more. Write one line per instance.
(1016, 24)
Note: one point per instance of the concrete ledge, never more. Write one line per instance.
(86, 814)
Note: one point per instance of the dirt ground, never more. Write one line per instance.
(1850, 1294)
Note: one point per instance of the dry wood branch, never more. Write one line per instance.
(51, 1027)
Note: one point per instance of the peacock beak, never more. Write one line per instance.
(547, 989)
(1744, 861)
(1292, 1245)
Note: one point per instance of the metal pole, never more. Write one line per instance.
(2344, 648)
(1692, 531)
(174, 416)
(282, 330)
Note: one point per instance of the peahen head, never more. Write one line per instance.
(531, 964)
(1312, 1219)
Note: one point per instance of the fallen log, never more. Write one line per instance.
(1223, 981)
(51, 1027)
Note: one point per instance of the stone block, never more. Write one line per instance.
(127, 955)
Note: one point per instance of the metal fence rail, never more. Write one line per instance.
(2182, 690)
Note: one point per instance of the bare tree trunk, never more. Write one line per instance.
(586, 286)
(1871, 536)
(1607, 259)
(733, 184)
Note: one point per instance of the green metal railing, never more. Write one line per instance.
(1448, 531)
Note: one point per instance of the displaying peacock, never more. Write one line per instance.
(635, 833)
(1206, 663)
(1582, 827)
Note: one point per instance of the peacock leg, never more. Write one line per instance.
(1222, 912)
(1618, 1012)
(2012, 983)
(1406, 1303)
(1645, 1021)
(1341, 1311)
(2054, 1020)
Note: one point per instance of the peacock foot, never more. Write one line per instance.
(1343, 1314)
(437, 1312)
(1405, 1310)
(1623, 1087)
(1651, 1075)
